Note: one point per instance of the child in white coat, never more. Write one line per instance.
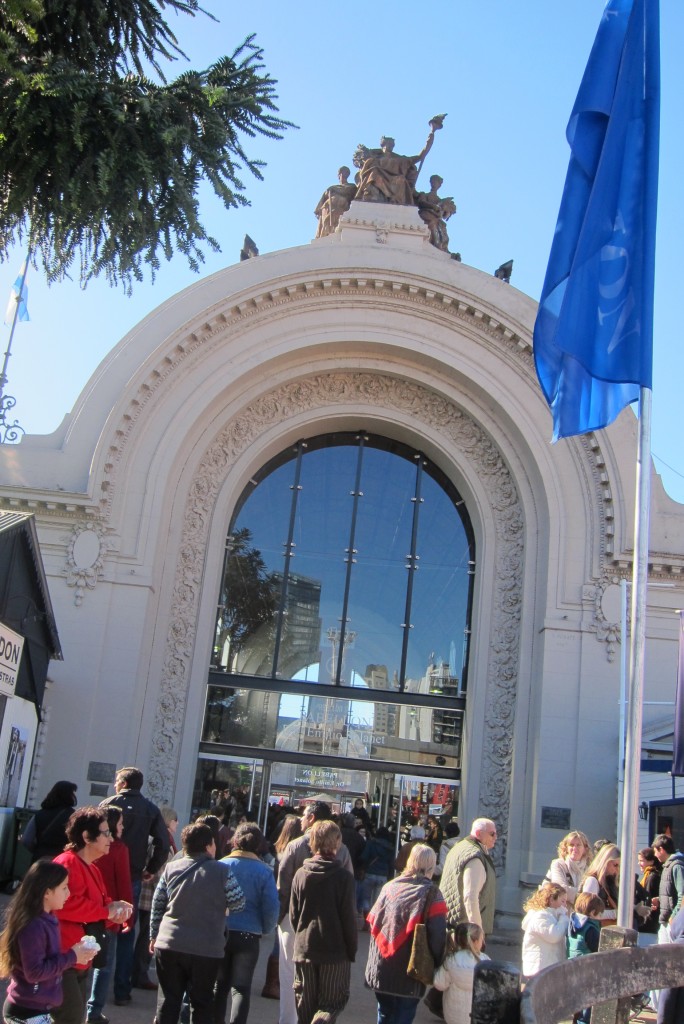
(545, 926)
(455, 977)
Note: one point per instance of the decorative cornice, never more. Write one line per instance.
(390, 287)
(602, 494)
(471, 446)
(49, 508)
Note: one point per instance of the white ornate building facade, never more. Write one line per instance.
(369, 333)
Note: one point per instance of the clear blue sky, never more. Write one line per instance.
(505, 73)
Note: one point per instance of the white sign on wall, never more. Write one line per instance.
(11, 646)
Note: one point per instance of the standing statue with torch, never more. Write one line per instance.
(387, 177)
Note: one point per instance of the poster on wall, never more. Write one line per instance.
(14, 765)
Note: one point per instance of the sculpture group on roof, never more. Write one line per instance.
(384, 176)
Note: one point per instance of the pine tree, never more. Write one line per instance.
(101, 158)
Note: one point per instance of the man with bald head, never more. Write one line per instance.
(468, 881)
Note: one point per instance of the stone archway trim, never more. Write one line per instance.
(477, 450)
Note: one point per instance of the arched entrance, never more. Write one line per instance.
(340, 657)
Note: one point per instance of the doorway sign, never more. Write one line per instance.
(11, 646)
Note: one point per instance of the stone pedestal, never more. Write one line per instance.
(389, 223)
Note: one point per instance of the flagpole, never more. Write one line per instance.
(8, 350)
(630, 801)
(7, 402)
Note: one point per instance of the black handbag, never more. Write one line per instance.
(434, 1000)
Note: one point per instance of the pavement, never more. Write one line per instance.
(361, 1008)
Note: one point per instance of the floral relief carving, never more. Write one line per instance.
(607, 631)
(86, 550)
(475, 447)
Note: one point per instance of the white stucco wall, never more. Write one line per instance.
(369, 327)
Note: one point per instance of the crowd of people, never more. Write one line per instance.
(580, 894)
(109, 890)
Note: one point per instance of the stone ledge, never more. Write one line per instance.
(384, 224)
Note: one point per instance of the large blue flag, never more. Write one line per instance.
(593, 338)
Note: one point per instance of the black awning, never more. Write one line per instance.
(25, 604)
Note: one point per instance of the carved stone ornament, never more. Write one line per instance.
(86, 550)
(604, 597)
(476, 449)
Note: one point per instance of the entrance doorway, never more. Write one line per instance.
(254, 787)
(341, 644)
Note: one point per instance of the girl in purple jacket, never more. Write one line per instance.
(29, 946)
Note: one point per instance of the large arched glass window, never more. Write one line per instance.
(349, 561)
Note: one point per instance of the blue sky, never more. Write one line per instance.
(506, 74)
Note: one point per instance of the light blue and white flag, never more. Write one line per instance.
(593, 338)
(18, 298)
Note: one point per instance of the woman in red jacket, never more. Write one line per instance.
(115, 868)
(89, 903)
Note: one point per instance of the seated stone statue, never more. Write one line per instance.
(335, 201)
(436, 212)
(386, 177)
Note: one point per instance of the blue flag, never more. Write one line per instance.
(593, 337)
(18, 298)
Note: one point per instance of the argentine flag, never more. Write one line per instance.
(18, 298)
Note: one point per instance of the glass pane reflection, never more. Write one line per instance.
(377, 598)
(441, 587)
(332, 726)
(320, 536)
(252, 581)
(226, 784)
(286, 619)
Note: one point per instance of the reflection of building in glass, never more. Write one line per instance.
(333, 727)
(301, 630)
(446, 725)
(384, 715)
(437, 732)
(332, 737)
(301, 634)
(241, 716)
(328, 710)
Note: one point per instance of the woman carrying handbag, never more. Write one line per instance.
(407, 901)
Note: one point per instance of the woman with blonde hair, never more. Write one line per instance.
(545, 925)
(406, 901)
(574, 856)
(603, 879)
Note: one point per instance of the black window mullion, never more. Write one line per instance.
(221, 610)
(295, 487)
(412, 560)
(350, 559)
